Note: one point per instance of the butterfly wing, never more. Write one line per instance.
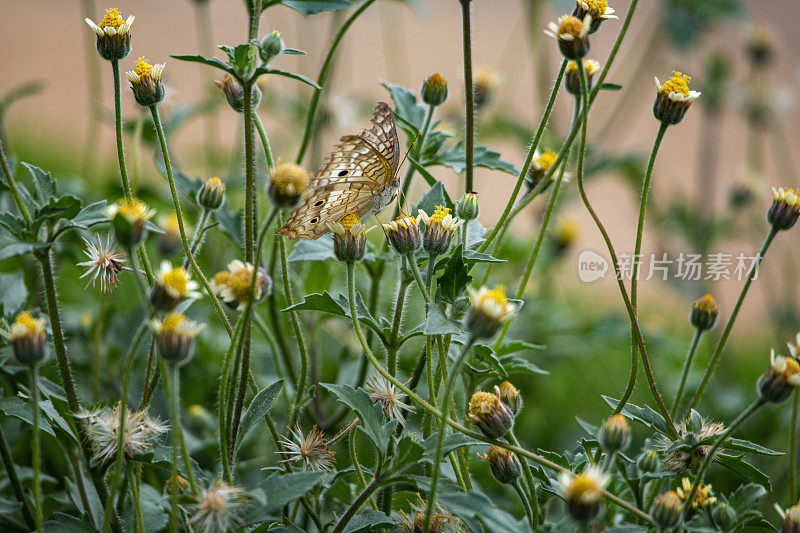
(353, 173)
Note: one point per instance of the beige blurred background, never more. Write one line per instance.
(47, 40)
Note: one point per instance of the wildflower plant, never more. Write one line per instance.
(384, 380)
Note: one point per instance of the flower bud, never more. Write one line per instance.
(615, 434)
(113, 35)
(510, 396)
(673, 98)
(761, 45)
(234, 93)
(468, 207)
(791, 519)
(287, 184)
(667, 510)
(564, 235)
(271, 47)
(434, 90)
(572, 79)
(571, 34)
(505, 464)
(170, 240)
(211, 194)
(777, 383)
(597, 9)
(28, 339)
(648, 462)
(489, 310)
(146, 83)
(404, 234)
(784, 210)
(583, 492)
(704, 313)
(128, 218)
(171, 286)
(349, 239)
(490, 414)
(724, 516)
(540, 165)
(483, 85)
(179, 482)
(439, 230)
(175, 337)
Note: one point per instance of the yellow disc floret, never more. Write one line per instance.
(177, 280)
(492, 299)
(143, 69)
(571, 26)
(439, 214)
(678, 84)
(546, 159)
(583, 488)
(240, 282)
(349, 220)
(26, 324)
(596, 8)
(134, 210)
(172, 322)
(482, 402)
(112, 18)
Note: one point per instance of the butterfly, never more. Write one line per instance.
(358, 176)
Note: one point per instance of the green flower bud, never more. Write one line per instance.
(349, 239)
(271, 46)
(211, 194)
(505, 464)
(234, 93)
(128, 218)
(724, 516)
(146, 82)
(648, 462)
(615, 434)
(667, 510)
(434, 90)
(778, 383)
(468, 207)
(510, 396)
(439, 230)
(175, 337)
(28, 339)
(704, 313)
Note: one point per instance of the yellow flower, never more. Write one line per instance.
(211, 194)
(541, 163)
(434, 90)
(785, 208)
(583, 492)
(704, 313)
(489, 309)
(599, 10)
(349, 238)
(113, 35)
(490, 414)
(233, 285)
(146, 83)
(571, 34)
(172, 285)
(780, 380)
(175, 335)
(128, 217)
(673, 98)
(573, 80)
(287, 184)
(484, 83)
(439, 230)
(566, 231)
(403, 234)
(702, 496)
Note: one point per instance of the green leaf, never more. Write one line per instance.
(456, 158)
(750, 447)
(645, 415)
(11, 247)
(318, 277)
(13, 293)
(475, 507)
(87, 217)
(409, 451)
(371, 416)
(746, 497)
(317, 250)
(210, 61)
(299, 77)
(340, 306)
(451, 443)
(282, 489)
(190, 186)
(312, 7)
(409, 114)
(44, 184)
(517, 346)
(258, 408)
(8, 507)
(435, 196)
(64, 523)
(455, 277)
(17, 408)
(231, 224)
(471, 256)
(744, 470)
(437, 322)
(433, 182)
(610, 87)
(368, 520)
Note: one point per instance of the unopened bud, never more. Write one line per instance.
(234, 93)
(510, 396)
(784, 210)
(615, 434)
(211, 194)
(490, 414)
(724, 516)
(468, 207)
(28, 339)
(505, 464)
(434, 90)
(667, 510)
(704, 313)
(648, 462)
(271, 46)
(777, 383)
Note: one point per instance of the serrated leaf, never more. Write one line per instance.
(370, 415)
(743, 469)
(44, 184)
(471, 256)
(338, 306)
(749, 447)
(435, 196)
(456, 158)
(437, 323)
(368, 520)
(89, 216)
(17, 408)
(746, 497)
(64, 523)
(645, 415)
(210, 61)
(455, 277)
(258, 408)
(282, 489)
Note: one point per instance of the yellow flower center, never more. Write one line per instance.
(678, 83)
(177, 279)
(546, 159)
(482, 402)
(240, 284)
(172, 322)
(112, 18)
(439, 214)
(134, 210)
(706, 304)
(170, 224)
(290, 179)
(216, 183)
(222, 278)
(27, 321)
(596, 7)
(570, 25)
(349, 220)
(143, 69)
(583, 487)
(792, 367)
(437, 81)
(496, 295)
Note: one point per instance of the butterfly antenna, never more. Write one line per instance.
(381, 226)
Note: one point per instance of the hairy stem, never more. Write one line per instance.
(686, 366)
(37, 447)
(526, 470)
(469, 91)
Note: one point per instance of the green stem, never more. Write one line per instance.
(16, 484)
(686, 366)
(437, 461)
(729, 326)
(37, 448)
(174, 377)
(358, 502)
(528, 159)
(250, 173)
(420, 143)
(357, 466)
(177, 205)
(123, 171)
(526, 470)
(198, 233)
(264, 141)
(391, 358)
(698, 480)
(412, 261)
(12, 184)
(322, 78)
(612, 252)
(524, 499)
(123, 404)
(469, 91)
(133, 485)
(222, 396)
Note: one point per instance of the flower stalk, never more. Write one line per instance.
(469, 91)
(686, 366)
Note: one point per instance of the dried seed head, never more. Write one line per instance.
(216, 509)
(311, 450)
(141, 432)
(104, 263)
